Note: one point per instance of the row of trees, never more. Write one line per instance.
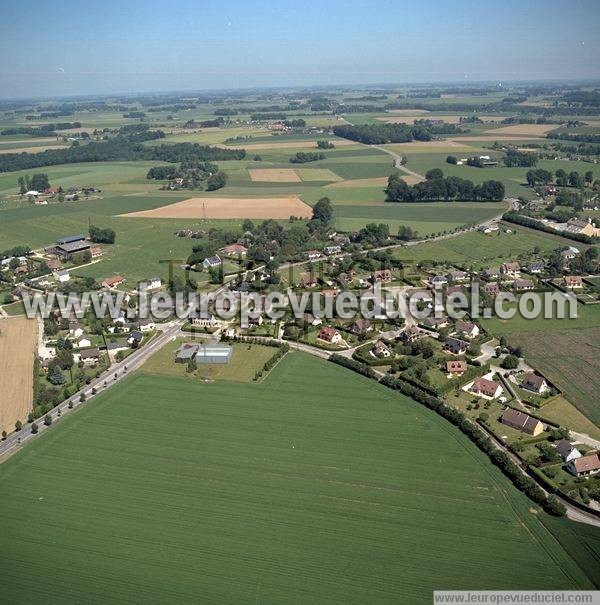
(443, 189)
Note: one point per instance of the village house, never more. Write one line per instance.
(457, 276)
(75, 329)
(90, 356)
(62, 276)
(329, 335)
(53, 264)
(484, 387)
(211, 262)
(451, 290)
(521, 422)
(313, 255)
(456, 367)
(83, 343)
(203, 319)
(492, 289)
(382, 276)
(435, 323)
(455, 346)
(491, 273)
(567, 450)
(146, 325)
(380, 349)
(536, 267)
(361, 326)
(237, 250)
(511, 269)
(154, 283)
(311, 320)
(467, 329)
(135, 338)
(438, 280)
(584, 465)
(307, 280)
(535, 383)
(112, 282)
(523, 284)
(409, 334)
(329, 250)
(572, 281)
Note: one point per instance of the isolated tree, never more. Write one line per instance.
(34, 428)
(39, 182)
(510, 362)
(47, 420)
(18, 425)
(22, 186)
(589, 177)
(323, 211)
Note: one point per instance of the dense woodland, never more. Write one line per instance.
(438, 188)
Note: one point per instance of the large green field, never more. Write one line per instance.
(316, 486)
(564, 350)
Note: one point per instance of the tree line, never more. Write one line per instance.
(438, 188)
(117, 149)
(378, 134)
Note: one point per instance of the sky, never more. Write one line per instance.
(67, 47)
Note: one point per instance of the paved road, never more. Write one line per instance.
(398, 162)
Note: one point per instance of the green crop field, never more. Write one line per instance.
(479, 250)
(564, 350)
(326, 490)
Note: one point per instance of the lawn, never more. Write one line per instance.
(286, 491)
(246, 360)
(478, 250)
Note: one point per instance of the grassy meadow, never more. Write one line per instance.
(287, 491)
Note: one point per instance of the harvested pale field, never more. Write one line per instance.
(287, 145)
(274, 175)
(31, 149)
(427, 144)
(44, 140)
(524, 129)
(498, 137)
(18, 338)
(409, 112)
(230, 208)
(318, 174)
(413, 119)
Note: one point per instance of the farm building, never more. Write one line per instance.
(213, 353)
(186, 352)
(90, 356)
(510, 268)
(493, 289)
(380, 349)
(522, 422)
